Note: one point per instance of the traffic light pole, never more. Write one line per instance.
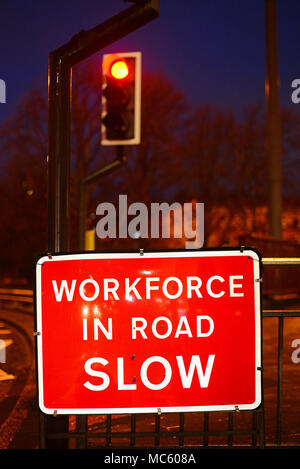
(81, 46)
(82, 191)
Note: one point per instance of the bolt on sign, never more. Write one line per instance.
(149, 331)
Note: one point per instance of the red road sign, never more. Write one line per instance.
(127, 333)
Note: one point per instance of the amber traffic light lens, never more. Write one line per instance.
(119, 70)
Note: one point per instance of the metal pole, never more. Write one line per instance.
(273, 122)
(80, 47)
(279, 379)
(58, 191)
(82, 192)
(86, 43)
(58, 154)
(89, 240)
(81, 214)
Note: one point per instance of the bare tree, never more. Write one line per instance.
(203, 154)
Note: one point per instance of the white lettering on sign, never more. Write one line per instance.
(100, 374)
(64, 287)
(186, 375)
(140, 328)
(167, 373)
(107, 289)
(82, 290)
(171, 288)
(233, 286)
(155, 330)
(99, 327)
(209, 289)
(161, 328)
(179, 287)
(139, 324)
(183, 328)
(131, 288)
(204, 378)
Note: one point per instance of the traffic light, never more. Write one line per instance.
(121, 99)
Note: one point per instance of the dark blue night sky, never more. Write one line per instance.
(213, 50)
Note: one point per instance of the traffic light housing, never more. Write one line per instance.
(121, 99)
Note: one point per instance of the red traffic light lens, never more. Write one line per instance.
(119, 70)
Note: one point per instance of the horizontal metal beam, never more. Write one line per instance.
(102, 171)
(281, 260)
(86, 43)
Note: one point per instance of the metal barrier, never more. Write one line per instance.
(113, 431)
(160, 437)
(16, 294)
(281, 314)
(178, 430)
(16, 298)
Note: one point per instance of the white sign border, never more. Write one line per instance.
(222, 252)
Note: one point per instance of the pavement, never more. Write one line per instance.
(19, 414)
